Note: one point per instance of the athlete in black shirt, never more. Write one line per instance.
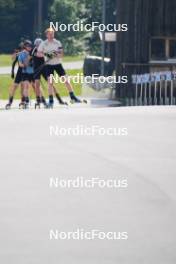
(18, 77)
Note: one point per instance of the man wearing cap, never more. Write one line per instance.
(52, 50)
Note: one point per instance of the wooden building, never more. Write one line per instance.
(150, 42)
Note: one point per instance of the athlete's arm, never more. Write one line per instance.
(40, 51)
(15, 53)
(13, 67)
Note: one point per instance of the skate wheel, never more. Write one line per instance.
(37, 106)
(7, 107)
(49, 106)
(20, 106)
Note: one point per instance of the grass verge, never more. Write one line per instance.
(5, 59)
(6, 82)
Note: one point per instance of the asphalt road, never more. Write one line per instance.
(146, 210)
(67, 65)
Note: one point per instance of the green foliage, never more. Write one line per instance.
(68, 12)
(7, 3)
(18, 18)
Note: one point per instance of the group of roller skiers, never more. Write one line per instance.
(37, 60)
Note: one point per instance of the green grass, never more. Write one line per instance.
(73, 58)
(5, 59)
(6, 82)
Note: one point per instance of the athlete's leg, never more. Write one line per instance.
(54, 88)
(61, 72)
(39, 90)
(58, 96)
(33, 86)
(12, 91)
(49, 71)
(11, 95)
(17, 81)
(22, 91)
(70, 90)
(26, 91)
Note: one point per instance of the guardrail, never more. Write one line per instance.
(155, 87)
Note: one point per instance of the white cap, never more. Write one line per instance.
(38, 41)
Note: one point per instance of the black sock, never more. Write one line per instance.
(23, 99)
(27, 99)
(42, 98)
(72, 95)
(38, 99)
(59, 98)
(51, 100)
(10, 99)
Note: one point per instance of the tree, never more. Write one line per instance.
(88, 11)
(6, 3)
(17, 20)
(69, 12)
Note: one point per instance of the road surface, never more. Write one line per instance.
(67, 65)
(30, 209)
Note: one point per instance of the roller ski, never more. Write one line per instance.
(84, 101)
(23, 105)
(37, 105)
(74, 99)
(78, 101)
(41, 100)
(63, 103)
(60, 101)
(50, 105)
(8, 106)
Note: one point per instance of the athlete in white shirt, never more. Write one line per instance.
(52, 50)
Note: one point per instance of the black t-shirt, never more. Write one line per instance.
(37, 62)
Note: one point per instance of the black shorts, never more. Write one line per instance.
(18, 77)
(28, 77)
(40, 71)
(50, 69)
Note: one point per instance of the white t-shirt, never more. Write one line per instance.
(51, 46)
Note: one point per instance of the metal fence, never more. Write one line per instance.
(155, 86)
